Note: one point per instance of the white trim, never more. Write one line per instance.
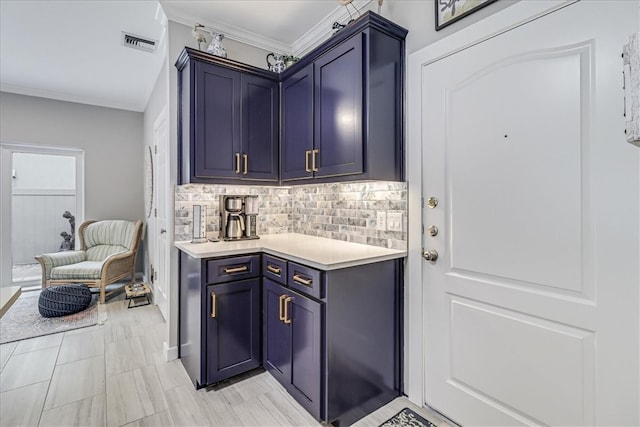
(170, 353)
(500, 22)
(312, 38)
(79, 99)
(6, 151)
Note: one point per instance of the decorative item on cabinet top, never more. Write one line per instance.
(280, 62)
(215, 47)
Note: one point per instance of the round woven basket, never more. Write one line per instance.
(59, 301)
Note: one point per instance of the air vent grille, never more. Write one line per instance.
(137, 42)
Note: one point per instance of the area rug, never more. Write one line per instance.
(23, 320)
(407, 417)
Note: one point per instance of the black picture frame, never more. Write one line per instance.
(441, 7)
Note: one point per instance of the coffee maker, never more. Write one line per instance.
(238, 219)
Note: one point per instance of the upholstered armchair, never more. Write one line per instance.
(107, 254)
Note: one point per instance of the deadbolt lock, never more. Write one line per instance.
(430, 255)
(432, 230)
(432, 202)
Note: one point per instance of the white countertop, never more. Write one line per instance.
(318, 252)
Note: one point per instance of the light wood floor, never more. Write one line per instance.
(114, 375)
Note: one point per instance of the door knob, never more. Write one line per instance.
(431, 255)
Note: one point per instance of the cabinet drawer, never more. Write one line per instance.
(275, 269)
(223, 270)
(305, 279)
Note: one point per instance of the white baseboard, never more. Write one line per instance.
(170, 353)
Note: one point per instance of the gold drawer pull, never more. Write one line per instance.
(237, 162)
(287, 319)
(274, 270)
(313, 160)
(232, 270)
(213, 304)
(280, 309)
(299, 279)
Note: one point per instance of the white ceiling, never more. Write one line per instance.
(72, 50)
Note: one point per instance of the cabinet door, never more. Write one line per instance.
(297, 125)
(259, 153)
(217, 121)
(277, 339)
(306, 347)
(233, 329)
(339, 77)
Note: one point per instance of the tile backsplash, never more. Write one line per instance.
(341, 211)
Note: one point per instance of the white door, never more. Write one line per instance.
(161, 188)
(532, 307)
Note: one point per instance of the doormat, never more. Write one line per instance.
(23, 320)
(407, 417)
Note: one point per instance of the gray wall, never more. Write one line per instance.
(111, 140)
(418, 16)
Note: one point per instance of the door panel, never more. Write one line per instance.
(260, 127)
(533, 193)
(277, 338)
(217, 93)
(233, 329)
(305, 348)
(531, 310)
(297, 124)
(338, 109)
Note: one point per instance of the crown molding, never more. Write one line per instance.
(78, 99)
(235, 33)
(316, 35)
(322, 30)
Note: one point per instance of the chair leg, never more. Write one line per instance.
(102, 294)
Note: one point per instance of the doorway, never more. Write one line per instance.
(42, 199)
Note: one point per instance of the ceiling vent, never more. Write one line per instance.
(137, 42)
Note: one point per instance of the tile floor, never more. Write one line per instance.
(115, 375)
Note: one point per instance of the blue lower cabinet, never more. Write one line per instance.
(293, 343)
(276, 348)
(220, 317)
(233, 329)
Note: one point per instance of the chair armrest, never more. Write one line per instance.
(117, 265)
(56, 259)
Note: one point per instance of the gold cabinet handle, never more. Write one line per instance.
(274, 270)
(299, 279)
(245, 157)
(287, 319)
(237, 162)
(314, 167)
(280, 309)
(306, 161)
(231, 270)
(213, 304)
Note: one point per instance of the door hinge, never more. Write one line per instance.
(155, 149)
(422, 225)
(155, 212)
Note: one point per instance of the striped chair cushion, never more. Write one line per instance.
(105, 238)
(86, 270)
(102, 252)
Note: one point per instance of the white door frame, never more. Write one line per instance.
(6, 153)
(504, 20)
(160, 145)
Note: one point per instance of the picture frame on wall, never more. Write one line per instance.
(450, 11)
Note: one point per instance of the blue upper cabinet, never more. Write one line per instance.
(297, 125)
(228, 119)
(340, 116)
(342, 106)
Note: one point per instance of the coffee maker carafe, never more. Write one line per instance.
(238, 217)
(235, 226)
